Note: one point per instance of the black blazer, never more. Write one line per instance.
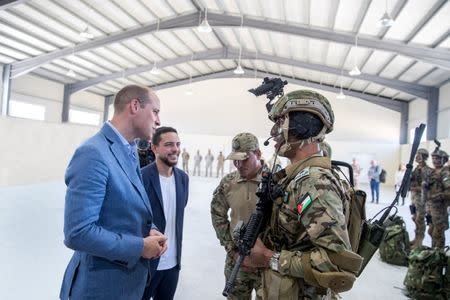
(150, 177)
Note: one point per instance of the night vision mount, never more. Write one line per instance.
(271, 87)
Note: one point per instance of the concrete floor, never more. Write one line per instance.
(33, 257)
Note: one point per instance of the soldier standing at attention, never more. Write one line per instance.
(220, 162)
(197, 160)
(437, 198)
(305, 250)
(418, 176)
(236, 192)
(185, 160)
(209, 158)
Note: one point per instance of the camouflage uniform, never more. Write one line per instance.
(197, 160)
(209, 158)
(418, 177)
(185, 159)
(307, 228)
(220, 162)
(238, 195)
(438, 199)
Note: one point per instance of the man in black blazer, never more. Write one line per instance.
(168, 189)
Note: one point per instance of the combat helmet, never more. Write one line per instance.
(441, 154)
(423, 153)
(301, 101)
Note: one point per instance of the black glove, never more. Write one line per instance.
(412, 209)
(428, 219)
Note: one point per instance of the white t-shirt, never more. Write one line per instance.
(169, 259)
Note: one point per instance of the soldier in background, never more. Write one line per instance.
(185, 160)
(146, 155)
(305, 251)
(356, 172)
(209, 158)
(197, 160)
(236, 192)
(220, 162)
(418, 196)
(437, 198)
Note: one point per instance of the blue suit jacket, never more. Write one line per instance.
(107, 214)
(152, 186)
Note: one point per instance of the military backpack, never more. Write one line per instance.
(394, 248)
(428, 275)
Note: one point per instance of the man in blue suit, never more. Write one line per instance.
(167, 188)
(108, 219)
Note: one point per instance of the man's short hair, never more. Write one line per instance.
(128, 93)
(159, 131)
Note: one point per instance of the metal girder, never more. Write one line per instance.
(230, 53)
(8, 3)
(108, 100)
(394, 105)
(437, 57)
(66, 104)
(404, 116)
(208, 54)
(6, 89)
(432, 113)
(25, 66)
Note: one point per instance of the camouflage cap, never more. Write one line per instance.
(241, 145)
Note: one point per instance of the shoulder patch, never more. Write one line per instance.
(303, 203)
(303, 173)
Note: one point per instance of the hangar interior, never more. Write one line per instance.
(63, 61)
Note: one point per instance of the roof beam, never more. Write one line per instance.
(437, 57)
(394, 105)
(231, 53)
(4, 4)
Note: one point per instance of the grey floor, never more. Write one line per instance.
(33, 257)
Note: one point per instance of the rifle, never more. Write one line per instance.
(372, 233)
(266, 192)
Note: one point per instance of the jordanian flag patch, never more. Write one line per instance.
(304, 203)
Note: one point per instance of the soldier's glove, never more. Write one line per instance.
(428, 219)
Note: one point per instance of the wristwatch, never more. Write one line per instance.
(274, 261)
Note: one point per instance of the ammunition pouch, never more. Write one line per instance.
(412, 209)
(338, 282)
(428, 219)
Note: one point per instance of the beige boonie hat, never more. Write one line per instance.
(242, 144)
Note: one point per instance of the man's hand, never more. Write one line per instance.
(154, 232)
(154, 245)
(259, 256)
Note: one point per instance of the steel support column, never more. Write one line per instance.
(66, 103)
(404, 115)
(432, 113)
(108, 100)
(6, 89)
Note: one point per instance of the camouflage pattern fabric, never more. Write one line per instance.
(418, 199)
(425, 278)
(185, 159)
(438, 209)
(394, 249)
(238, 195)
(316, 230)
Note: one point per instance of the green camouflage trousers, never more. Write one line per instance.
(419, 218)
(244, 284)
(439, 217)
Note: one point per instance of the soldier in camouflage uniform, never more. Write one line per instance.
(438, 198)
(418, 198)
(305, 251)
(236, 192)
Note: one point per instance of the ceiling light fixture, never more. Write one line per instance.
(154, 70)
(86, 33)
(386, 20)
(204, 26)
(355, 70)
(239, 70)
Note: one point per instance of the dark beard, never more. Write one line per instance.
(167, 162)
